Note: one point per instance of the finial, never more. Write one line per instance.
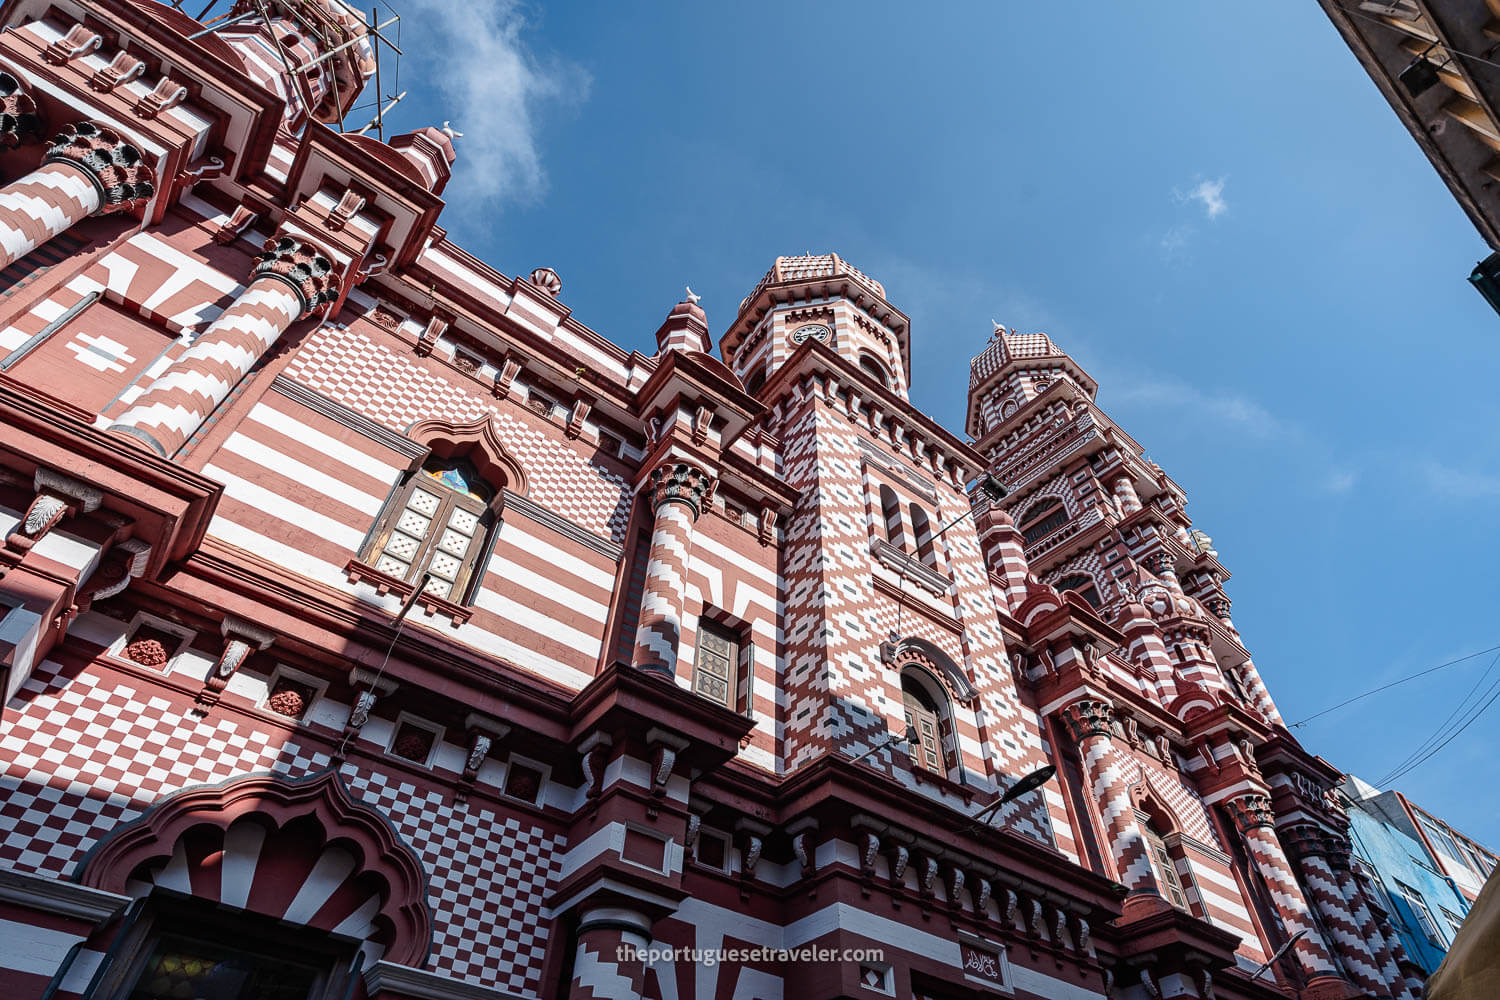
(694, 299)
(450, 131)
(999, 329)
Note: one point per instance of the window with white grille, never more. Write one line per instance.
(436, 523)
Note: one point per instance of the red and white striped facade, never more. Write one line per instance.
(504, 778)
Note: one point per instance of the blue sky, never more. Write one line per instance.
(1221, 219)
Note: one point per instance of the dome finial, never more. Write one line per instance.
(694, 299)
(999, 327)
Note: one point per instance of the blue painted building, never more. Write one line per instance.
(1425, 903)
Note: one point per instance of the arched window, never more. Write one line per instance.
(1041, 519)
(1164, 864)
(922, 528)
(890, 510)
(437, 521)
(873, 368)
(927, 712)
(756, 380)
(1083, 585)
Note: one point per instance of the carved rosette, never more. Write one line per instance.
(117, 168)
(301, 265)
(680, 482)
(1251, 811)
(1088, 718)
(19, 121)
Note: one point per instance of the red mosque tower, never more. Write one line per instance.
(371, 627)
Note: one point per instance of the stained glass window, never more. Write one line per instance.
(182, 968)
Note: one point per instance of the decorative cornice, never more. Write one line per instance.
(352, 419)
(66, 899)
(419, 984)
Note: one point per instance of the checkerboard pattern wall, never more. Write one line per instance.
(83, 754)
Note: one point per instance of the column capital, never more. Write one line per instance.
(1087, 718)
(680, 482)
(19, 121)
(1303, 841)
(1252, 811)
(1160, 564)
(303, 265)
(1339, 851)
(117, 168)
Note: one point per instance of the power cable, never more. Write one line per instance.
(1473, 717)
(1386, 24)
(1387, 687)
(1442, 728)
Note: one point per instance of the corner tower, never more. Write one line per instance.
(819, 297)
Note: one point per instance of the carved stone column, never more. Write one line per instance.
(609, 961)
(291, 279)
(1369, 932)
(1257, 822)
(1306, 844)
(677, 491)
(1089, 722)
(88, 170)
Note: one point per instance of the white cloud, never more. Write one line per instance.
(1210, 194)
(1238, 411)
(492, 88)
(1340, 480)
(1177, 238)
(1460, 484)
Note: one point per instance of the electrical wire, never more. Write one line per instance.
(1442, 728)
(1406, 767)
(1387, 687)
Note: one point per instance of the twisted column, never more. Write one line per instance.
(1088, 722)
(677, 492)
(1260, 697)
(605, 963)
(291, 279)
(1369, 931)
(1307, 845)
(1253, 815)
(88, 170)
(1124, 490)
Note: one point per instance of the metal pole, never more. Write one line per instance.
(380, 114)
(220, 25)
(376, 121)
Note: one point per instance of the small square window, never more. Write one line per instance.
(712, 850)
(877, 976)
(291, 693)
(523, 781)
(414, 740)
(152, 642)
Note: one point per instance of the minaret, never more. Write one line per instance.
(1099, 519)
(323, 41)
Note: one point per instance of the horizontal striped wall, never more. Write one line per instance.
(303, 490)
